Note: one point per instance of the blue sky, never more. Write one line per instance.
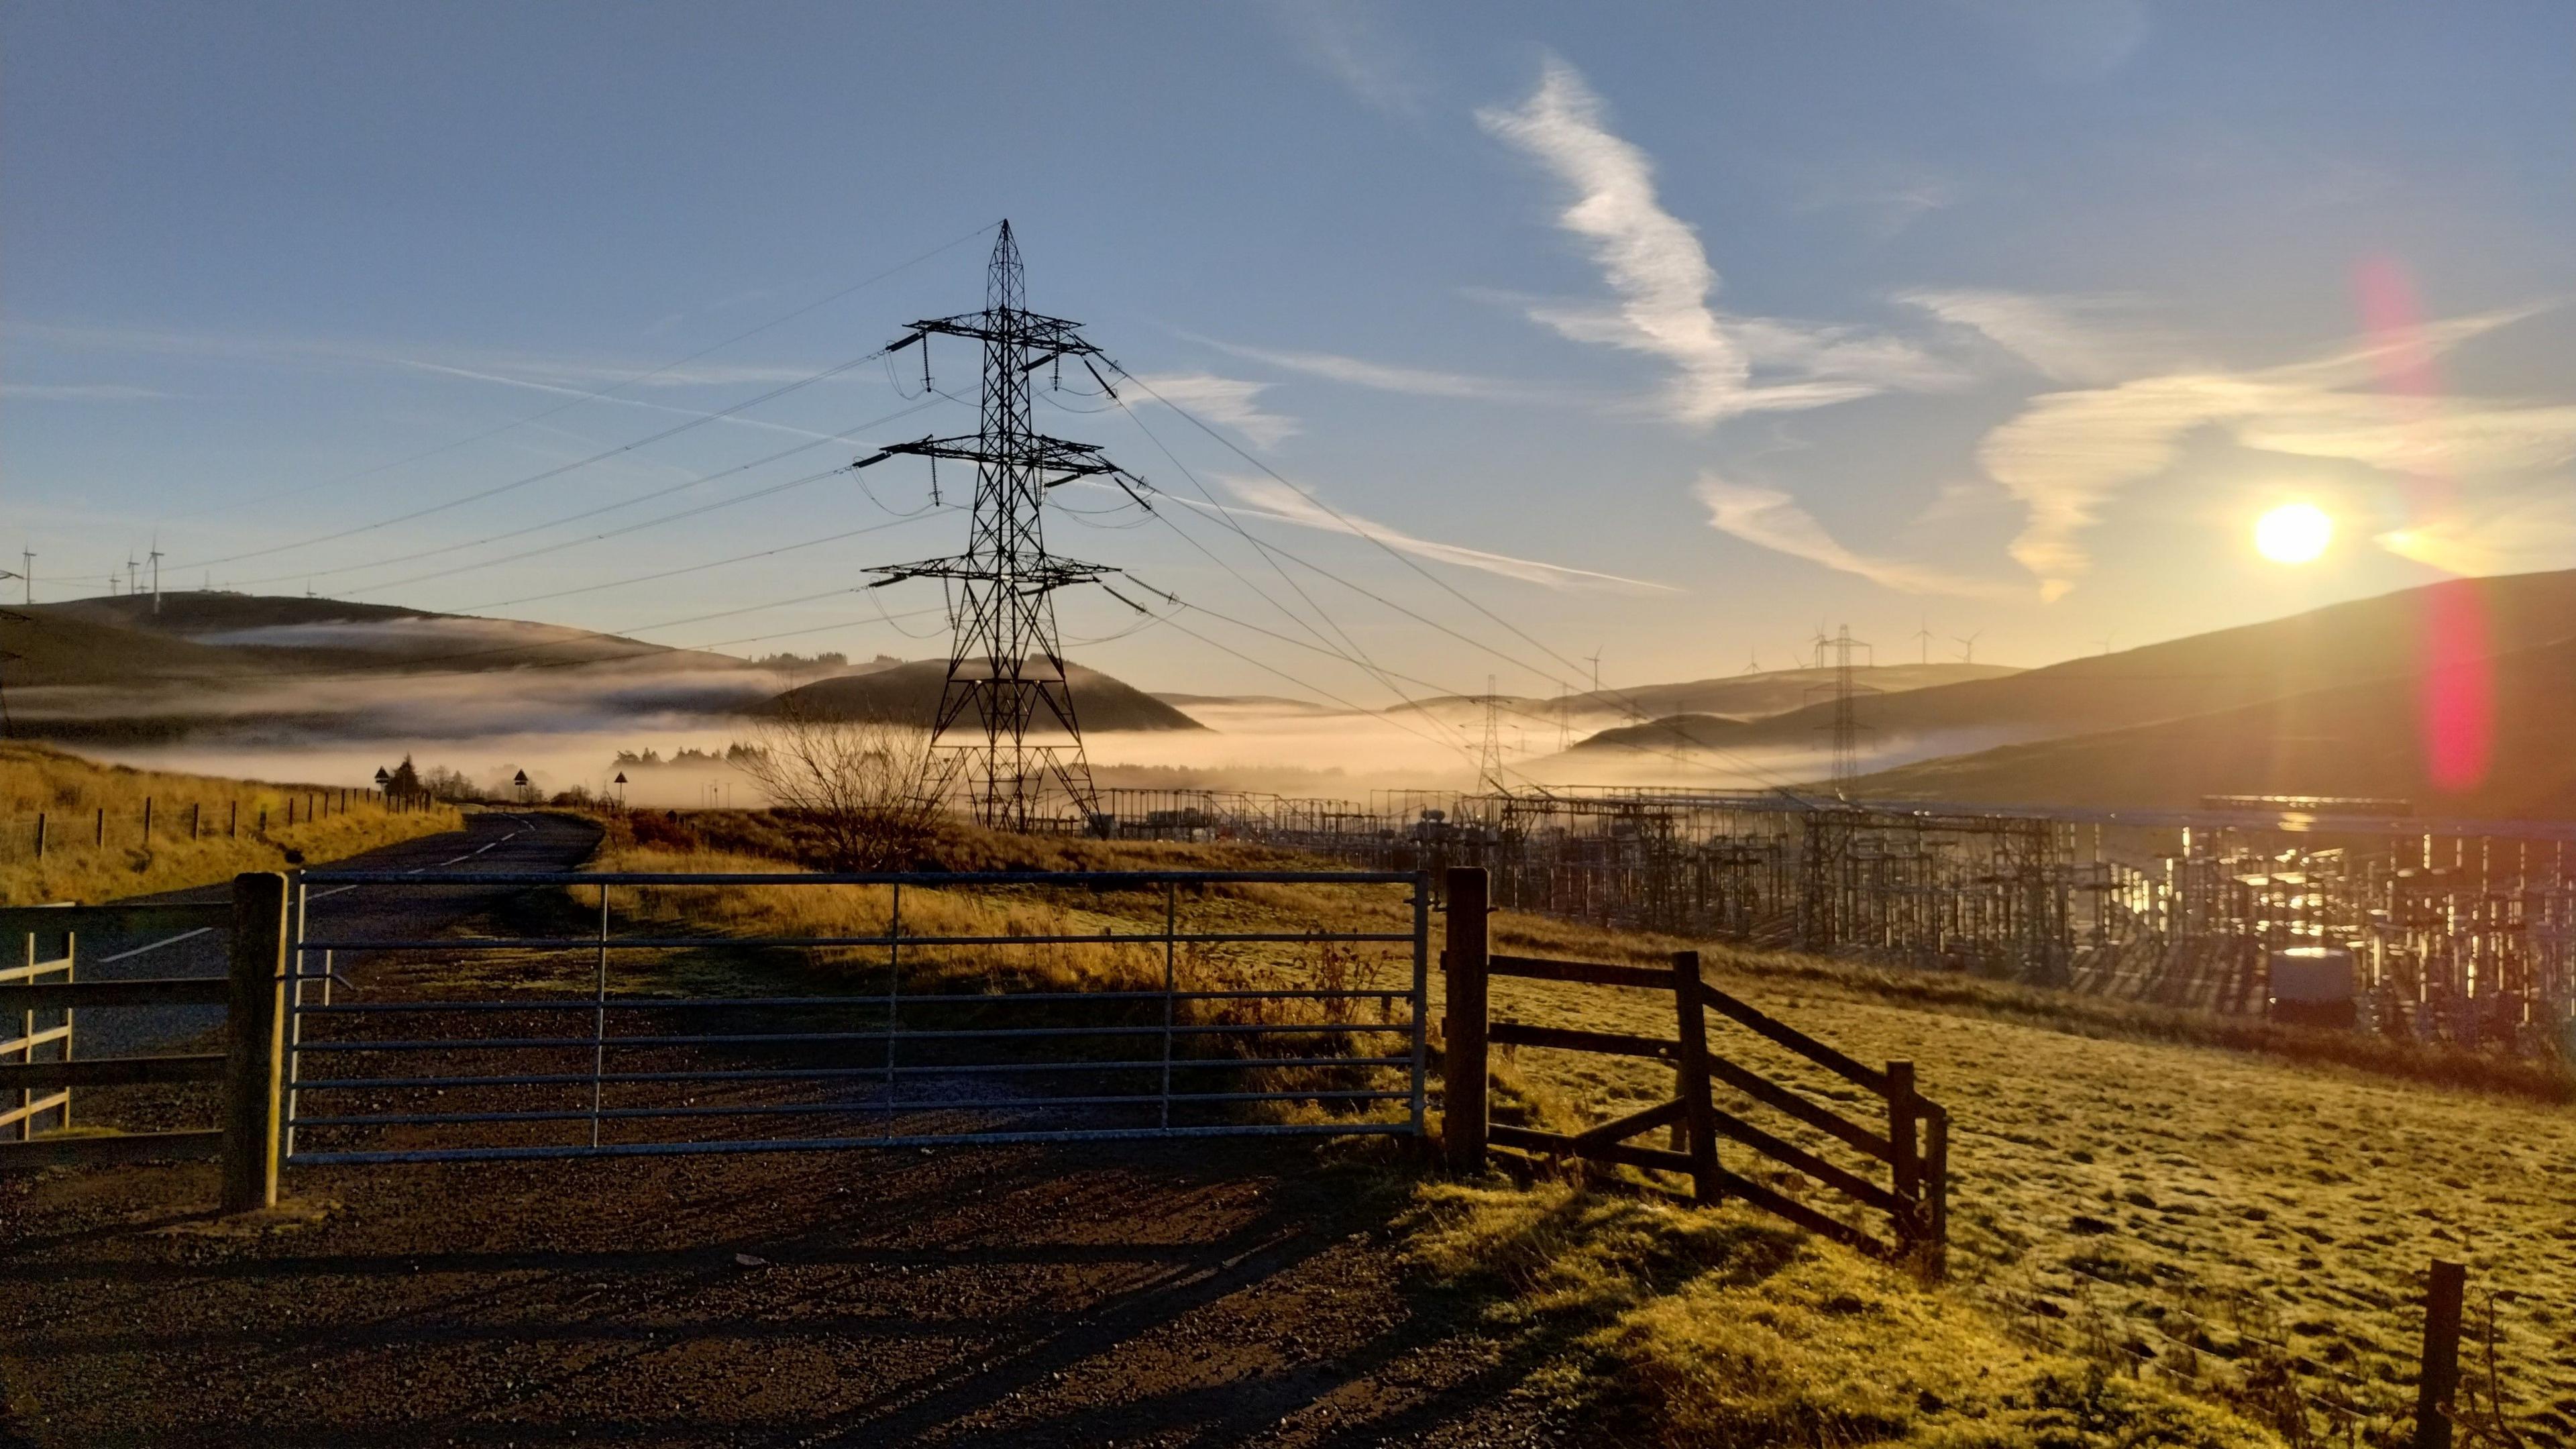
(1667, 331)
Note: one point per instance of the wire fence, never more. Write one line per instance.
(154, 820)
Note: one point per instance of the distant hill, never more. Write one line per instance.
(112, 671)
(2228, 669)
(1686, 731)
(2361, 739)
(1262, 701)
(911, 692)
(201, 633)
(1742, 696)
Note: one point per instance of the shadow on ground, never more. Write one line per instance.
(1161, 1295)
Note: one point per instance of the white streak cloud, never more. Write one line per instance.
(1232, 401)
(2068, 454)
(1268, 498)
(80, 392)
(1653, 263)
(1769, 518)
(1388, 377)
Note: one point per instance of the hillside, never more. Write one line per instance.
(2360, 739)
(125, 640)
(1684, 731)
(2324, 649)
(911, 692)
(112, 672)
(1741, 696)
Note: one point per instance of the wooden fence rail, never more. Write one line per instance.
(252, 994)
(1912, 1140)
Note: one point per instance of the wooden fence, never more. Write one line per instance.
(252, 993)
(1912, 1140)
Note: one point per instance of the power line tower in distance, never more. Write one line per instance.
(1845, 728)
(1006, 669)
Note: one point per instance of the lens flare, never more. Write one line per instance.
(2294, 533)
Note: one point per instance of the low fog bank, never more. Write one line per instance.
(675, 760)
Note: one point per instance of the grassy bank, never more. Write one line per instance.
(1725, 1329)
(224, 816)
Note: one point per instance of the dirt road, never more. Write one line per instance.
(1179, 1294)
(1162, 1296)
(490, 841)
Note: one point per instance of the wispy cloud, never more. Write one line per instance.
(1887, 198)
(518, 366)
(1268, 498)
(2522, 532)
(1772, 519)
(1388, 377)
(1346, 42)
(1661, 277)
(2069, 453)
(2071, 339)
(80, 392)
(1232, 401)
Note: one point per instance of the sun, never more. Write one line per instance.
(2294, 533)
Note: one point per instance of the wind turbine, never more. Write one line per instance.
(1753, 661)
(2105, 640)
(1923, 637)
(1968, 646)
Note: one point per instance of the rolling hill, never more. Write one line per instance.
(1738, 696)
(2324, 649)
(214, 634)
(911, 692)
(1683, 731)
(2365, 739)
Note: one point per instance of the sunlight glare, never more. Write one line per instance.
(2294, 533)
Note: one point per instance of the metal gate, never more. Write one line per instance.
(624, 1014)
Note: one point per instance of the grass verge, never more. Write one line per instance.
(1722, 1328)
(72, 789)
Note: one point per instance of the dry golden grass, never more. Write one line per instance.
(2144, 1192)
(2118, 1185)
(70, 789)
(1723, 1328)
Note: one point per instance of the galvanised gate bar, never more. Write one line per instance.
(921, 1009)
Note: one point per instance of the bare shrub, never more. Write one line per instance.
(859, 781)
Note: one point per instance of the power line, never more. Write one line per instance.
(615, 387)
(412, 557)
(701, 567)
(1399, 555)
(555, 472)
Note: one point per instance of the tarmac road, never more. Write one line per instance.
(491, 841)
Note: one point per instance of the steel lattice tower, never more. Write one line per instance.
(1846, 728)
(1006, 669)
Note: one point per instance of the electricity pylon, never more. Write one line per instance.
(1005, 667)
(1846, 726)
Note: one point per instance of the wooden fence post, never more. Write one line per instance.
(254, 1057)
(1462, 1062)
(2440, 1377)
(40, 835)
(147, 820)
(1691, 1070)
(1907, 1160)
(1936, 1193)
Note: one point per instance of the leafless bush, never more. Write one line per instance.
(860, 781)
